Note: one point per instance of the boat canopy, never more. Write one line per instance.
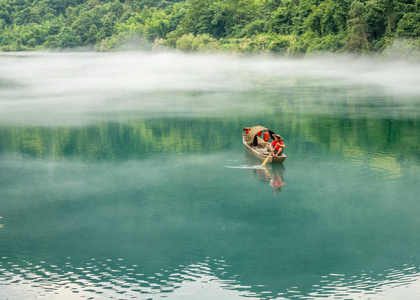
(253, 132)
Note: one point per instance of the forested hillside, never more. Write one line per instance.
(290, 27)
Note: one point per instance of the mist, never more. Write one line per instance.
(60, 88)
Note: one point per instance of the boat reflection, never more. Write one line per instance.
(271, 173)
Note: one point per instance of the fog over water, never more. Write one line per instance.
(43, 88)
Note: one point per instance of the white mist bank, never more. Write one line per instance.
(66, 85)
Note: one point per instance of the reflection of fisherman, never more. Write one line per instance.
(275, 177)
(277, 183)
(272, 176)
(277, 146)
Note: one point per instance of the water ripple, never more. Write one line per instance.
(103, 279)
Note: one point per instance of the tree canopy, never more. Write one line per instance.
(245, 26)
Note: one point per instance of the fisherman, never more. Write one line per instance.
(277, 146)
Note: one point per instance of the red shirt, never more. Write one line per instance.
(276, 145)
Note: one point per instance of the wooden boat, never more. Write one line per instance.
(257, 146)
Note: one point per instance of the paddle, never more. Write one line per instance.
(266, 160)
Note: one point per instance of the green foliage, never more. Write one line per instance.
(254, 28)
(357, 38)
(5, 12)
(258, 44)
(280, 20)
(26, 16)
(200, 42)
(327, 18)
(52, 42)
(68, 39)
(176, 14)
(409, 25)
(234, 15)
(84, 23)
(92, 35)
(56, 7)
(382, 16)
(197, 18)
(248, 26)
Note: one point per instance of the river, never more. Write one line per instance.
(124, 176)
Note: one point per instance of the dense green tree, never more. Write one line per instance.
(55, 7)
(231, 16)
(27, 15)
(108, 26)
(357, 39)
(300, 11)
(117, 9)
(176, 14)
(67, 38)
(251, 26)
(327, 18)
(93, 3)
(381, 16)
(92, 35)
(83, 24)
(19, 5)
(71, 16)
(409, 25)
(280, 20)
(196, 18)
(5, 12)
(52, 42)
(54, 26)
(157, 26)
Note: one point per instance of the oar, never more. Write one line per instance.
(266, 160)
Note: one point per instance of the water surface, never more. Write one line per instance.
(124, 176)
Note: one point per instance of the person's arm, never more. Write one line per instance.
(282, 145)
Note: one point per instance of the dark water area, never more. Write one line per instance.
(150, 194)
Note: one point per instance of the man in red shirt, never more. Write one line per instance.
(277, 146)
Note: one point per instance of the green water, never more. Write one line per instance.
(149, 194)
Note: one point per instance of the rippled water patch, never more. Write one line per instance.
(365, 285)
(105, 278)
(113, 278)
